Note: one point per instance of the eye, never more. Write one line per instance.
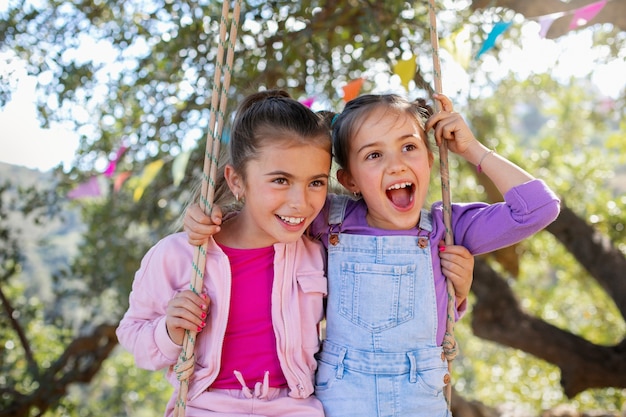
(373, 155)
(281, 181)
(318, 183)
(409, 147)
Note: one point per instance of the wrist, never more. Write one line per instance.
(486, 154)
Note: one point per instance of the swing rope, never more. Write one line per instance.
(186, 360)
(449, 343)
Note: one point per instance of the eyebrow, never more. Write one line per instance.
(399, 139)
(288, 175)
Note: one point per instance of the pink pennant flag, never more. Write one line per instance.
(583, 15)
(89, 188)
(545, 22)
(113, 163)
(308, 102)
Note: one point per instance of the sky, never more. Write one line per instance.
(23, 142)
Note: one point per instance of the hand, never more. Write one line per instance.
(186, 311)
(450, 126)
(199, 226)
(457, 264)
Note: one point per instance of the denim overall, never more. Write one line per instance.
(380, 356)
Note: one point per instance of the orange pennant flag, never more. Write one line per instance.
(352, 89)
(119, 180)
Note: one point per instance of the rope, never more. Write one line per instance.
(449, 343)
(186, 360)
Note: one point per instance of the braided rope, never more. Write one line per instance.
(449, 343)
(186, 360)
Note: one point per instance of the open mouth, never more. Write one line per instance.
(292, 221)
(401, 194)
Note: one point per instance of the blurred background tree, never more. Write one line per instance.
(546, 322)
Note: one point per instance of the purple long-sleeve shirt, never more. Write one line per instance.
(480, 227)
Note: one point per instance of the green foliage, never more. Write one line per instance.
(121, 389)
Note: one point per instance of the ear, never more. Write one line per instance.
(234, 181)
(345, 179)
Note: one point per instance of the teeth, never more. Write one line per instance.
(292, 220)
(398, 186)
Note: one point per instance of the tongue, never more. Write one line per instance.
(400, 197)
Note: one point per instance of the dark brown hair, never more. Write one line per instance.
(345, 124)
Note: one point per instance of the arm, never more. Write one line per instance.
(158, 309)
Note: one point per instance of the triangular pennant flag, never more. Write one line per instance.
(352, 89)
(308, 102)
(113, 163)
(147, 176)
(178, 167)
(490, 42)
(583, 15)
(120, 179)
(545, 22)
(405, 69)
(87, 189)
(459, 46)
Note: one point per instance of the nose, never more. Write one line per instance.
(396, 164)
(297, 198)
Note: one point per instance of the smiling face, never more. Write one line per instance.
(284, 188)
(389, 164)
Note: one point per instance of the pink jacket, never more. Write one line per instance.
(297, 308)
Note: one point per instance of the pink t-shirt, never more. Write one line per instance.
(250, 342)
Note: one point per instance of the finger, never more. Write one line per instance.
(445, 102)
(189, 307)
(199, 234)
(216, 214)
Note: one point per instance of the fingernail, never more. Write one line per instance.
(203, 323)
(203, 315)
(442, 248)
(198, 329)
(204, 296)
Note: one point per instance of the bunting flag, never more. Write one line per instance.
(498, 29)
(583, 15)
(120, 179)
(405, 69)
(580, 17)
(87, 189)
(178, 167)
(113, 162)
(352, 89)
(147, 176)
(546, 21)
(459, 46)
(308, 102)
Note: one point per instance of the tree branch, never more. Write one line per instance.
(498, 317)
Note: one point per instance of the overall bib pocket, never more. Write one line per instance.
(377, 297)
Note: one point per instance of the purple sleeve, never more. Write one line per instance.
(318, 229)
(527, 209)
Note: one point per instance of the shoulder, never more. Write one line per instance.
(311, 249)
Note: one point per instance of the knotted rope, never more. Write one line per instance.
(449, 343)
(186, 360)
